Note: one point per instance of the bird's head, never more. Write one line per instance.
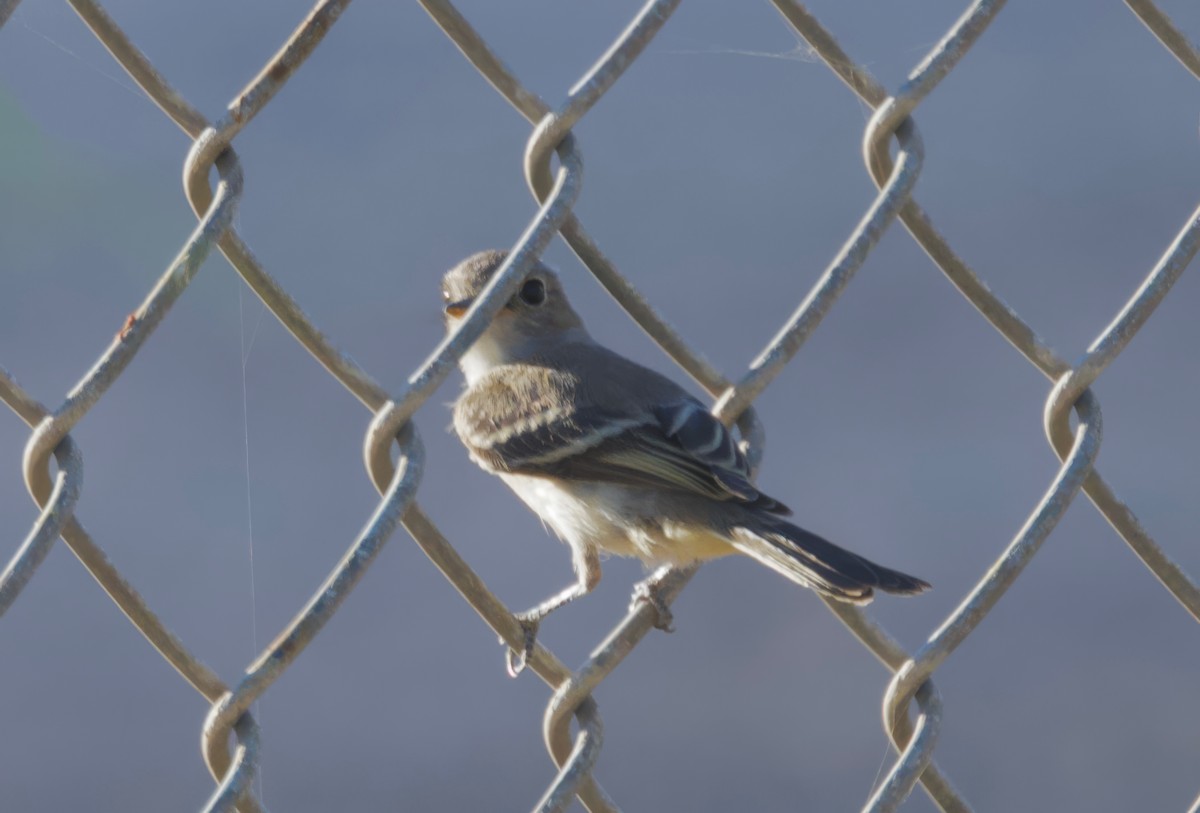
(536, 315)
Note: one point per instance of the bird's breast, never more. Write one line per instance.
(577, 512)
(614, 519)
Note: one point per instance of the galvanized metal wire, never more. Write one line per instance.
(893, 153)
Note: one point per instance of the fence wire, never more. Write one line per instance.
(893, 153)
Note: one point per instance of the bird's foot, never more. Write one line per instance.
(647, 592)
(517, 661)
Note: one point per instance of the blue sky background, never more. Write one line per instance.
(723, 172)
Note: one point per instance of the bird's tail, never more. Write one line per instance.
(813, 562)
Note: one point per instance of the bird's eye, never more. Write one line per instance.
(533, 292)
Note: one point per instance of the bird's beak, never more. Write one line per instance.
(457, 309)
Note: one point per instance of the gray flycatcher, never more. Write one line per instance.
(617, 458)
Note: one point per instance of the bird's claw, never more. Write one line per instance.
(516, 662)
(646, 593)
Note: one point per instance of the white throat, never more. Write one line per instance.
(500, 344)
(483, 357)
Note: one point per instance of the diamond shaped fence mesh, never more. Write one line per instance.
(893, 153)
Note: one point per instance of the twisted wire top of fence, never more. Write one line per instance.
(724, 180)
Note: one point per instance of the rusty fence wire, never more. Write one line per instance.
(893, 155)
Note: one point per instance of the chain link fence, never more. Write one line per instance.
(893, 153)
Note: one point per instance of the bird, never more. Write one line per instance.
(616, 458)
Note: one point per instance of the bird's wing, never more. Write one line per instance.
(529, 421)
(526, 416)
(681, 447)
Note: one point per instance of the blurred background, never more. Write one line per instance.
(723, 173)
